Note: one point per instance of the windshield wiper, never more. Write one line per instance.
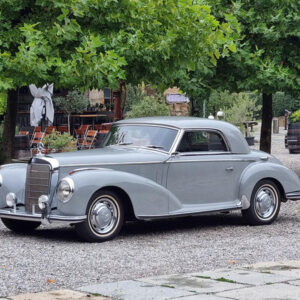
(154, 147)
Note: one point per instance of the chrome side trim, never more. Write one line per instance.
(204, 153)
(211, 160)
(113, 164)
(8, 214)
(88, 169)
(293, 196)
(177, 141)
(188, 214)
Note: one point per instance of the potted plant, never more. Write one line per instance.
(57, 142)
(74, 100)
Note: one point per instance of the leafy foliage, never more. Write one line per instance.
(73, 101)
(86, 44)
(242, 109)
(220, 100)
(295, 117)
(93, 44)
(267, 57)
(283, 101)
(3, 102)
(149, 106)
(134, 96)
(59, 142)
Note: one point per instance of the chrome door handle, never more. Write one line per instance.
(229, 169)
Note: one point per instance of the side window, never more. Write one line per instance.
(202, 141)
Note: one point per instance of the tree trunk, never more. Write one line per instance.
(124, 98)
(10, 124)
(266, 124)
(117, 104)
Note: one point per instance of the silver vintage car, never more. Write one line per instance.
(148, 168)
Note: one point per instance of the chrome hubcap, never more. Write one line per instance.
(265, 201)
(103, 215)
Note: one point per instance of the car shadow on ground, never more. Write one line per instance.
(65, 233)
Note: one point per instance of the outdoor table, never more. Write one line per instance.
(94, 116)
(249, 124)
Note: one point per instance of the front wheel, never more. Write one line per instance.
(20, 226)
(105, 216)
(265, 203)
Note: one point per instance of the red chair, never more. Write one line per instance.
(89, 139)
(24, 133)
(50, 129)
(80, 135)
(84, 128)
(62, 128)
(37, 139)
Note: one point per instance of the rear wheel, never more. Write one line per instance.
(105, 216)
(265, 203)
(20, 226)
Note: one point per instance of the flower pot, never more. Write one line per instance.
(250, 140)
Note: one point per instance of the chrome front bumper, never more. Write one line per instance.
(293, 196)
(21, 215)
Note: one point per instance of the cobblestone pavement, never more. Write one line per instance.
(263, 281)
(52, 258)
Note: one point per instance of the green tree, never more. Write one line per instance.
(268, 55)
(73, 101)
(149, 106)
(95, 44)
(243, 108)
(283, 101)
(133, 96)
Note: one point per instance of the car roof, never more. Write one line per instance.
(179, 122)
(233, 135)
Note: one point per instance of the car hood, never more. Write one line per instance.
(109, 155)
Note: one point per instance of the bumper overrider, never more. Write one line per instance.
(39, 217)
(293, 196)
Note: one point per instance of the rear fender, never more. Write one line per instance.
(258, 171)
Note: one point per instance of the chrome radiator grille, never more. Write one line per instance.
(37, 184)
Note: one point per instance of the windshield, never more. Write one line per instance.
(154, 137)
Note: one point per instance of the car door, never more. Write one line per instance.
(204, 174)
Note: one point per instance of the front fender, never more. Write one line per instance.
(147, 197)
(261, 170)
(14, 177)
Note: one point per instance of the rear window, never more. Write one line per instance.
(202, 141)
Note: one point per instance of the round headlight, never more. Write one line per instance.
(65, 189)
(11, 199)
(43, 200)
(1, 180)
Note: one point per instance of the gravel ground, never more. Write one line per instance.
(52, 258)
